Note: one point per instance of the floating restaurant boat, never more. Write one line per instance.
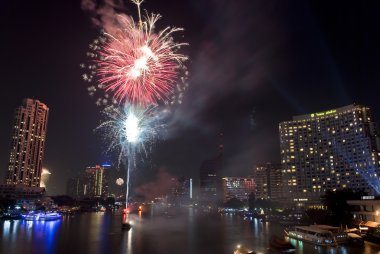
(42, 216)
(314, 235)
(338, 233)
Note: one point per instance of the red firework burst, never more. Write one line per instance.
(137, 65)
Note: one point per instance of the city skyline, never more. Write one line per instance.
(278, 70)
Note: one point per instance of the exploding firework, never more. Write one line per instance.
(131, 129)
(119, 181)
(136, 64)
(132, 67)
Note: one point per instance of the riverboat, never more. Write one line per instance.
(338, 233)
(42, 216)
(355, 239)
(313, 235)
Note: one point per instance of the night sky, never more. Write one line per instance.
(252, 65)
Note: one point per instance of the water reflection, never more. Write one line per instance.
(187, 232)
(316, 248)
(129, 242)
(40, 235)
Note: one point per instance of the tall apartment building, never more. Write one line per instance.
(95, 182)
(268, 180)
(28, 143)
(237, 187)
(329, 150)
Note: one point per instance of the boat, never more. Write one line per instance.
(42, 216)
(10, 215)
(338, 233)
(126, 225)
(355, 239)
(280, 245)
(313, 235)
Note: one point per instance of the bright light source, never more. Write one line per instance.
(132, 128)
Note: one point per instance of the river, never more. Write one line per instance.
(182, 232)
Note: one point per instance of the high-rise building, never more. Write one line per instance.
(28, 143)
(329, 150)
(210, 180)
(238, 187)
(95, 181)
(268, 180)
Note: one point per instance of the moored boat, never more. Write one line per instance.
(10, 215)
(313, 235)
(126, 225)
(355, 239)
(338, 233)
(42, 216)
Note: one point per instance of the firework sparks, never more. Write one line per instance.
(130, 128)
(119, 181)
(135, 64)
(131, 62)
(97, 90)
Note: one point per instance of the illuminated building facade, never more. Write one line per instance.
(366, 209)
(237, 187)
(329, 150)
(268, 181)
(95, 182)
(28, 143)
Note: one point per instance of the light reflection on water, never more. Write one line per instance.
(39, 235)
(188, 232)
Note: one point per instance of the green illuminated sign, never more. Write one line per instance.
(323, 113)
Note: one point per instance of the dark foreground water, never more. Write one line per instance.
(187, 232)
